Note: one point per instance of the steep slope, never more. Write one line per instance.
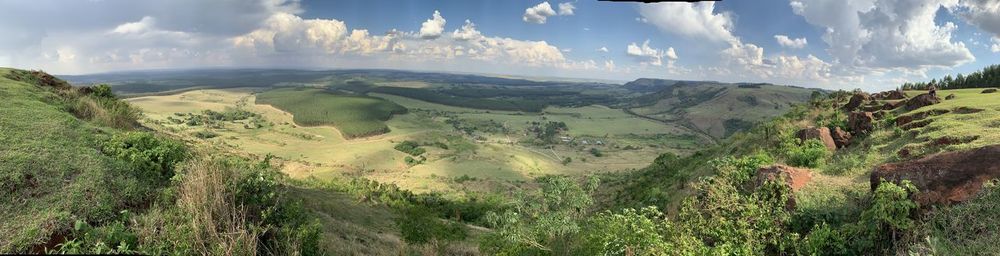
(716, 109)
(51, 169)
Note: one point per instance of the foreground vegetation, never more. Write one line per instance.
(80, 178)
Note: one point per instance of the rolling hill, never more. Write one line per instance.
(715, 109)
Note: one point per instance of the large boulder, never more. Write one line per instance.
(822, 134)
(990, 90)
(920, 101)
(856, 101)
(950, 96)
(794, 178)
(890, 105)
(894, 95)
(944, 178)
(860, 122)
(840, 137)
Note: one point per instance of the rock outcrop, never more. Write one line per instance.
(794, 178)
(990, 90)
(840, 137)
(890, 105)
(822, 134)
(920, 101)
(950, 96)
(944, 178)
(856, 101)
(860, 122)
(894, 95)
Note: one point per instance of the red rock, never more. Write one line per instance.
(944, 178)
(895, 95)
(856, 101)
(861, 122)
(920, 101)
(794, 178)
(822, 134)
(840, 137)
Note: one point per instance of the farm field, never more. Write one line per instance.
(323, 152)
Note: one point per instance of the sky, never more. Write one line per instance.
(833, 44)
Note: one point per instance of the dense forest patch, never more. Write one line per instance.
(355, 116)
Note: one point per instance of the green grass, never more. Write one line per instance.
(354, 116)
(51, 169)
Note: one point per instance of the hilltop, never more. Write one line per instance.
(715, 109)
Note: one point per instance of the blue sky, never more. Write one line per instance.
(869, 44)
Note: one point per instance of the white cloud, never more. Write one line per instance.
(797, 43)
(874, 35)
(996, 44)
(697, 21)
(609, 65)
(566, 8)
(467, 32)
(433, 27)
(135, 27)
(649, 55)
(602, 49)
(538, 14)
(985, 14)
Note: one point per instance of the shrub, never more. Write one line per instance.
(629, 232)
(812, 153)
(148, 155)
(410, 147)
(103, 91)
(419, 225)
(596, 152)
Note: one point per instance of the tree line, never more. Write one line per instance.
(988, 77)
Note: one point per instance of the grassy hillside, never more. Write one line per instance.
(833, 212)
(79, 176)
(716, 109)
(53, 171)
(354, 116)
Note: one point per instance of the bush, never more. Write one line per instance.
(410, 147)
(629, 232)
(103, 91)
(812, 153)
(148, 155)
(419, 225)
(596, 152)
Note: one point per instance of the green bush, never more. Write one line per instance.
(629, 232)
(410, 147)
(419, 225)
(812, 153)
(148, 155)
(103, 91)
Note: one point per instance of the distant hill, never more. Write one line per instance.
(716, 109)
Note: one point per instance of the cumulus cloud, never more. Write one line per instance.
(748, 61)
(566, 8)
(539, 13)
(602, 49)
(984, 14)
(885, 34)
(609, 65)
(467, 32)
(797, 43)
(996, 45)
(698, 20)
(433, 27)
(649, 55)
